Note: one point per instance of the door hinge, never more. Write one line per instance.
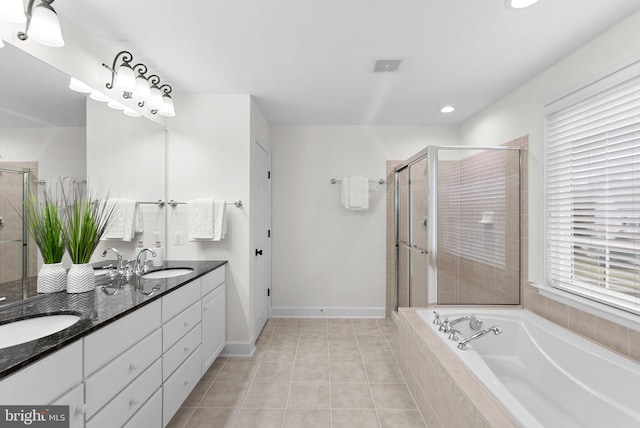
(269, 175)
(269, 233)
(268, 292)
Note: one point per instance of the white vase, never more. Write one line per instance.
(52, 278)
(81, 278)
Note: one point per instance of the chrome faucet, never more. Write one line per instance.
(138, 269)
(474, 323)
(120, 267)
(463, 344)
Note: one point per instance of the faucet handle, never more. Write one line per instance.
(453, 335)
(436, 318)
(444, 327)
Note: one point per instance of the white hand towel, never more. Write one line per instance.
(200, 219)
(355, 193)
(115, 225)
(219, 219)
(130, 220)
(139, 221)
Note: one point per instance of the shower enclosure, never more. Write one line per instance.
(457, 226)
(17, 256)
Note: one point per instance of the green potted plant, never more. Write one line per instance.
(45, 227)
(84, 222)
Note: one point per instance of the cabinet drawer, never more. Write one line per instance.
(112, 378)
(180, 351)
(150, 415)
(75, 400)
(180, 325)
(212, 280)
(130, 400)
(177, 301)
(106, 344)
(179, 385)
(45, 380)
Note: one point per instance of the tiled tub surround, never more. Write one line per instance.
(95, 308)
(447, 393)
(315, 373)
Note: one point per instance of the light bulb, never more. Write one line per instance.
(116, 105)
(155, 102)
(131, 112)
(167, 108)
(99, 96)
(125, 78)
(519, 4)
(142, 91)
(78, 86)
(45, 26)
(13, 11)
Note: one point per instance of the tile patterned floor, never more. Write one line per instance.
(333, 373)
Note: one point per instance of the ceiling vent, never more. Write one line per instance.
(386, 65)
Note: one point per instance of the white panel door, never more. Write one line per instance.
(261, 230)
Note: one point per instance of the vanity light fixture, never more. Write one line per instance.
(147, 91)
(43, 25)
(519, 4)
(447, 109)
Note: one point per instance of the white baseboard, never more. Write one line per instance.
(238, 349)
(320, 312)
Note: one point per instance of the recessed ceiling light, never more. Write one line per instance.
(519, 4)
(447, 109)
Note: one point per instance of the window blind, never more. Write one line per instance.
(592, 143)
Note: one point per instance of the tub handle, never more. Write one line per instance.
(436, 318)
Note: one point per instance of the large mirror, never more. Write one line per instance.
(52, 132)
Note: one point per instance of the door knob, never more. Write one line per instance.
(258, 252)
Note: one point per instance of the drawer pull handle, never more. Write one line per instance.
(81, 410)
(187, 382)
(133, 367)
(133, 402)
(186, 349)
(186, 324)
(204, 309)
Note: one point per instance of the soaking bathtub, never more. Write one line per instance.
(546, 376)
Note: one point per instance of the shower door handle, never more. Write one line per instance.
(1, 221)
(425, 221)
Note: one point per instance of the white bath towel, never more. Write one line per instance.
(219, 219)
(200, 219)
(123, 221)
(355, 193)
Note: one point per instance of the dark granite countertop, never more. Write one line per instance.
(96, 309)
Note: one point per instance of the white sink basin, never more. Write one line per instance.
(167, 273)
(26, 330)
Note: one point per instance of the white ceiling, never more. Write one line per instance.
(307, 62)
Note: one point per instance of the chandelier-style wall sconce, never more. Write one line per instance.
(134, 83)
(42, 23)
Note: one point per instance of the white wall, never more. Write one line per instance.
(59, 151)
(326, 257)
(519, 114)
(208, 156)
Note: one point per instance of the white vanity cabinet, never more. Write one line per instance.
(123, 368)
(213, 317)
(47, 381)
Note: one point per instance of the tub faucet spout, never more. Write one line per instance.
(463, 344)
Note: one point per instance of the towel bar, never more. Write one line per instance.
(174, 203)
(335, 180)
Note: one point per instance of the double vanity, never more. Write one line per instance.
(131, 354)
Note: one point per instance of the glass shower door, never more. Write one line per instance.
(418, 232)
(14, 182)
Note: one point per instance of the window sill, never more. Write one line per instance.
(592, 307)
